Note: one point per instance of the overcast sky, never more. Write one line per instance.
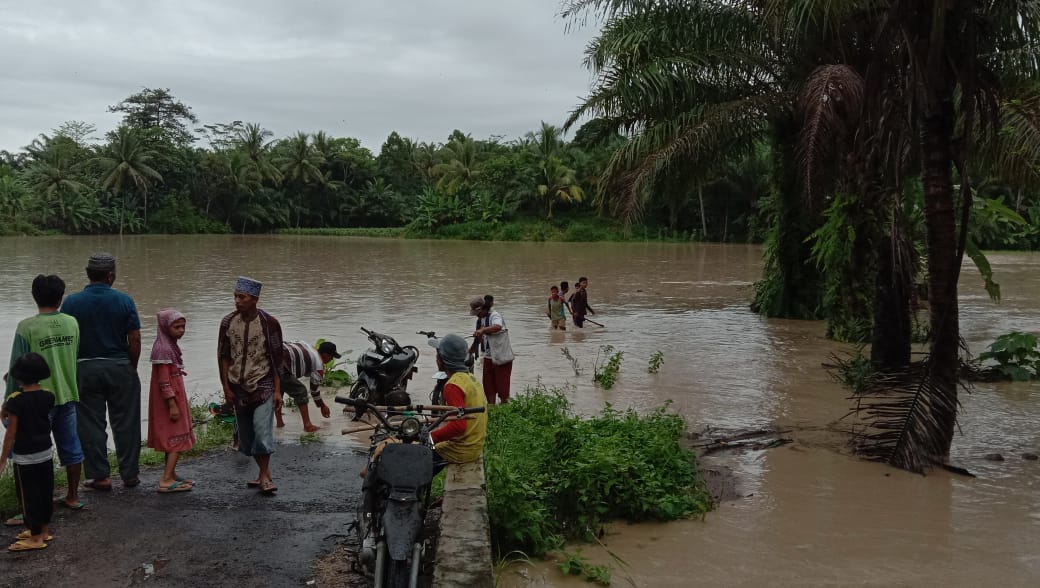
(358, 68)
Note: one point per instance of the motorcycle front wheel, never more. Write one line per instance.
(359, 391)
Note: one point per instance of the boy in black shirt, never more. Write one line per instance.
(29, 436)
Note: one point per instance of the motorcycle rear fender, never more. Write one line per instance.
(405, 466)
(402, 524)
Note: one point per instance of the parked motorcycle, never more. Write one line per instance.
(396, 490)
(383, 371)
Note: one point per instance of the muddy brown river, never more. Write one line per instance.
(808, 513)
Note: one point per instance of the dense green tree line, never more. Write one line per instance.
(159, 171)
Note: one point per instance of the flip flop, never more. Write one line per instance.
(249, 484)
(15, 521)
(132, 482)
(93, 485)
(177, 486)
(25, 546)
(186, 481)
(80, 505)
(27, 534)
(268, 488)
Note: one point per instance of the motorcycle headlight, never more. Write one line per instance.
(410, 428)
(387, 347)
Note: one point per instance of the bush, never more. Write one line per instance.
(1017, 356)
(179, 217)
(474, 230)
(347, 231)
(588, 233)
(552, 476)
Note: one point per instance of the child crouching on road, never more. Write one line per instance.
(29, 437)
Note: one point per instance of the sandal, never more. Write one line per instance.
(27, 534)
(268, 488)
(80, 505)
(93, 485)
(132, 482)
(15, 521)
(22, 545)
(177, 486)
(249, 484)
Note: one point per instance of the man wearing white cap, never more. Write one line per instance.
(250, 352)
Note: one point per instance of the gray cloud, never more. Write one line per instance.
(357, 68)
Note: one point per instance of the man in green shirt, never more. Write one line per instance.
(55, 336)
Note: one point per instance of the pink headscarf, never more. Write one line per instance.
(165, 349)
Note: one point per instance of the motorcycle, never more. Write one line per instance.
(383, 371)
(396, 490)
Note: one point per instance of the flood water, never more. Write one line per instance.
(809, 514)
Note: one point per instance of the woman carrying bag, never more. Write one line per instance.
(492, 338)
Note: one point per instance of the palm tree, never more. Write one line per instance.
(546, 142)
(55, 177)
(13, 197)
(301, 162)
(253, 140)
(459, 167)
(557, 182)
(125, 164)
(693, 81)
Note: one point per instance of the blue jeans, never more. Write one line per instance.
(66, 438)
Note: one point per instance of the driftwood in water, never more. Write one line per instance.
(712, 441)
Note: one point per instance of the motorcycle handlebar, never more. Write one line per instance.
(430, 334)
(346, 400)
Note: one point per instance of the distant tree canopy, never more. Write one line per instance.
(157, 109)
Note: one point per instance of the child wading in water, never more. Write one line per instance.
(169, 417)
(29, 436)
(555, 313)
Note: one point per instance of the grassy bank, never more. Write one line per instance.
(209, 434)
(563, 229)
(552, 476)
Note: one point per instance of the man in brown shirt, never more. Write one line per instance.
(249, 352)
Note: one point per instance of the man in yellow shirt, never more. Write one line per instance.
(462, 440)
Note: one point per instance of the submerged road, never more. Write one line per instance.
(218, 534)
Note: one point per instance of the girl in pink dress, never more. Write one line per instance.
(169, 417)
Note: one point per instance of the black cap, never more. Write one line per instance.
(330, 348)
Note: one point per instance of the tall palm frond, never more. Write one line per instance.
(829, 104)
(706, 135)
(906, 413)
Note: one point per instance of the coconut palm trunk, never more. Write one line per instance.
(943, 271)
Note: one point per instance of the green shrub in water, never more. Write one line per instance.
(552, 476)
(1017, 356)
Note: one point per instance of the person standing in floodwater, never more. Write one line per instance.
(580, 302)
(250, 353)
(109, 348)
(491, 338)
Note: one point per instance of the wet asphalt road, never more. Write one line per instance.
(218, 534)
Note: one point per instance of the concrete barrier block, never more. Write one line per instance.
(464, 546)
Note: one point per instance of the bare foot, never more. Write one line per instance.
(310, 427)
